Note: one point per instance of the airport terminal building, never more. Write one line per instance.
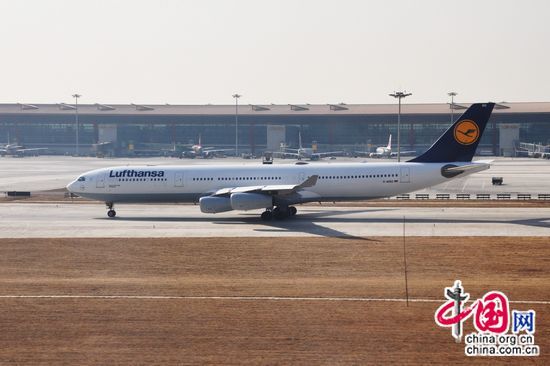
(133, 129)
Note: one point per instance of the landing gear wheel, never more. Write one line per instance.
(292, 210)
(267, 216)
(111, 212)
(281, 213)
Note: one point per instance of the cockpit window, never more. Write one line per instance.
(82, 179)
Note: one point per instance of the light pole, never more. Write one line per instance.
(76, 96)
(452, 95)
(236, 96)
(399, 95)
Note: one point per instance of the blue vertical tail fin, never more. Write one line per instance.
(460, 141)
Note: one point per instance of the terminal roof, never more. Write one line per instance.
(257, 109)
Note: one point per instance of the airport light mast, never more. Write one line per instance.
(76, 96)
(236, 96)
(452, 95)
(399, 95)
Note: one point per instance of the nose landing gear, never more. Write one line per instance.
(111, 213)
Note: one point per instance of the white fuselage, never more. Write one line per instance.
(382, 152)
(336, 181)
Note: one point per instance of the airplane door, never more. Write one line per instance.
(100, 183)
(178, 179)
(405, 175)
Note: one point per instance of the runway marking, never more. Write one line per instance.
(245, 298)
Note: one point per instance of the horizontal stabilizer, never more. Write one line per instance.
(452, 170)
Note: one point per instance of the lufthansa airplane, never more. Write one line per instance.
(277, 188)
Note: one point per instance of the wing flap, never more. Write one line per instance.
(278, 187)
(246, 189)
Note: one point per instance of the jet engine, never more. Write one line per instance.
(211, 204)
(250, 201)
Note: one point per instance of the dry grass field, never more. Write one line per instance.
(217, 330)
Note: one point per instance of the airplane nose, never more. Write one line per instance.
(70, 186)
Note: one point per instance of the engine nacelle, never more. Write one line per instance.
(215, 204)
(250, 201)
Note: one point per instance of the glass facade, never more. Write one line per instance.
(342, 131)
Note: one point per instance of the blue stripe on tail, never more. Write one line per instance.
(460, 141)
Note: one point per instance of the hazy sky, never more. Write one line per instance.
(300, 51)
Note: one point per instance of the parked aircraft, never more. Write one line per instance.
(18, 150)
(384, 152)
(198, 150)
(277, 188)
(304, 152)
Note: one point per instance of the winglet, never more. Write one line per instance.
(310, 182)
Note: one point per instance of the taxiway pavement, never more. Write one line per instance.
(33, 220)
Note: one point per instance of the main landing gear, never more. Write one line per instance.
(279, 213)
(111, 213)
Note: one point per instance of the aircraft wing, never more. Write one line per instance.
(32, 149)
(279, 154)
(329, 153)
(394, 153)
(272, 189)
(212, 150)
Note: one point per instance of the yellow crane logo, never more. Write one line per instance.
(466, 132)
